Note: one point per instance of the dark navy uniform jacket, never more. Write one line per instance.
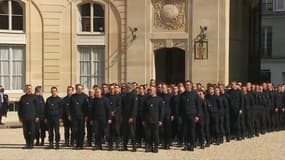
(28, 107)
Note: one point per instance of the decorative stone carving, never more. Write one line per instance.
(169, 15)
(169, 43)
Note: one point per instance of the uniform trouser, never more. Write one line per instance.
(177, 129)
(67, 129)
(98, 128)
(166, 131)
(128, 132)
(40, 130)
(140, 133)
(114, 131)
(267, 118)
(248, 122)
(263, 119)
(189, 127)
(214, 123)
(221, 125)
(29, 127)
(89, 131)
(227, 124)
(201, 130)
(78, 130)
(239, 125)
(275, 119)
(152, 134)
(281, 119)
(256, 121)
(53, 129)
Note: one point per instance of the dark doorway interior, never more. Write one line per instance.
(170, 65)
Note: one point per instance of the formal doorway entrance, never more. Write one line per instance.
(170, 65)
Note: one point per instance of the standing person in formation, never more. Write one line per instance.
(68, 140)
(53, 112)
(40, 126)
(100, 115)
(189, 105)
(204, 123)
(237, 110)
(213, 112)
(152, 116)
(90, 99)
(167, 117)
(140, 132)
(177, 122)
(78, 114)
(221, 102)
(115, 109)
(29, 115)
(248, 105)
(226, 100)
(129, 114)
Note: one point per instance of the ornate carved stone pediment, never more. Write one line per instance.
(169, 15)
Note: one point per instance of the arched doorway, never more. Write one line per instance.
(170, 65)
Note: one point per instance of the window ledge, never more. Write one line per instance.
(91, 33)
(14, 91)
(11, 32)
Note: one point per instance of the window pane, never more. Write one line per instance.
(5, 81)
(18, 53)
(4, 7)
(4, 53)
(17, 22)
(86, 24)
(17, 82)
(98, 10)
(4, 68)
(4, 22)
(98, 24)
(86, 82)
(85, 10)
(17, 68)
(16, 8)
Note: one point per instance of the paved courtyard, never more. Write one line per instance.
(266, 147)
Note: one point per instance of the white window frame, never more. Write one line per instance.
(11, 60)
(92, 60)
(277, 7)
(10, 14)
(91, 19)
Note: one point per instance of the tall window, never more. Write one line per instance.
(12, 67)
(11, 15)
(91, 65)
(266, 41)
(92, 18)
(279, 5)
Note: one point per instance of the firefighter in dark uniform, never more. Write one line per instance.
(226, 100)
(140, 133)
(29, 115)
(213, 112)
(40, 126)
(90, 99)
(78, 114)
(204, 122)
(166, 127)
(100, 113)
(115, 107)
(129, 113)
(278, 110)
(177, 121)
(152, 116)
(221, 114)
(68, 140)
(237, 110)
(189, 106)
(53, 112)
(248, 106)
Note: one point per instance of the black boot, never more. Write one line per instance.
(57, 145)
